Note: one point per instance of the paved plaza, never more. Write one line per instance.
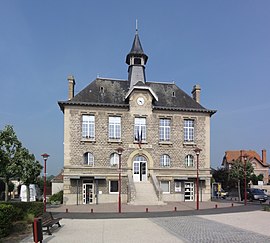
(214, 222)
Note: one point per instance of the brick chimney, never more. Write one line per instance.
(242, 156)
(71, 84)
(264, 156)
(196, 92)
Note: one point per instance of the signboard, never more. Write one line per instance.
(260, 183)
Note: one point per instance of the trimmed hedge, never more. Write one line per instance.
(11, 212)
(6, 217)
(23, 208)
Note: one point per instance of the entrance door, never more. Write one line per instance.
(140, 169)
(88, 193)
(189, 191)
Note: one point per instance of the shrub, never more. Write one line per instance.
(35, 208)
(13, 212)
(29, 218)
(6, 216)
(21, 209)
(57, 197)
(266, 208)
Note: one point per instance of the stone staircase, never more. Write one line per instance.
(145, 194)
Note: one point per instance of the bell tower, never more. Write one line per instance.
(136, 59)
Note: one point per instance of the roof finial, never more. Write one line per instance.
(136, 26)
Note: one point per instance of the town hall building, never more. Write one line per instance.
(143, 133)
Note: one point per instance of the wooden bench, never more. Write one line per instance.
(48, 221)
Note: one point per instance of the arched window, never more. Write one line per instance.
(88, 159)
(165, 160)
(189, 161)
(114, 159)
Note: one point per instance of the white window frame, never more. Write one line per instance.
(140, 128)
(165, 160)
(88, 159)
(114, 127)
(168, 183)
(189, 160)
(114, 159)
(110, 192)
(164, 129)
(177, 186)
(189, 130)
(88, 127)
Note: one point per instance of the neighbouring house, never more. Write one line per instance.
(57, 183)
(259, 163)
(157, 125)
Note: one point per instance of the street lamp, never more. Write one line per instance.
(197, 151)
(119, 151)
(45, 157)
(245, 178)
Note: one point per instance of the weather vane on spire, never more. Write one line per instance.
(136, 26)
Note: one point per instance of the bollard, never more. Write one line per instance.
(146, 210)
(216, 206)
(92, 210)
(232, 204)
(66, 210)
(175, 209)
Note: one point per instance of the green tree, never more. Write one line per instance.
(9, 154)
(40, 182)
(29, 169)
(260, 177)
(222, 175)
(255, 178)
(237, 175)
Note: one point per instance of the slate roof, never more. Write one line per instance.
(136, 49)
(112, 92)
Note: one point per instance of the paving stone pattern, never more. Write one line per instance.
(195, 229)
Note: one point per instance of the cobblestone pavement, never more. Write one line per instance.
(196, 229)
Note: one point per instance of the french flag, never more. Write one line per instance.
(138, 137)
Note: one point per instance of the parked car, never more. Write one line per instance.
(256, 194)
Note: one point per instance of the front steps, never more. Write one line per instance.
(145, 194)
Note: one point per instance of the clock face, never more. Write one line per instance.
(140, 101)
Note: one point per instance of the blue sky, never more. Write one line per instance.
(222, 45)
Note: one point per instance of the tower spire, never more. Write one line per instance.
(136, 59)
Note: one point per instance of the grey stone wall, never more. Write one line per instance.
(102, 147)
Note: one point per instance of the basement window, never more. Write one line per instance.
(165, 186)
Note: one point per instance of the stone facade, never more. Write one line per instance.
(113, 98)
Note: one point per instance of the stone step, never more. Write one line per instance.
(145, 194)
